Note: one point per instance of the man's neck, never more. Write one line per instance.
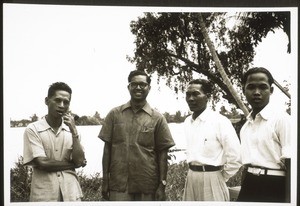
(197, 114)
(53, 122)
(255, 111)
(136, 105)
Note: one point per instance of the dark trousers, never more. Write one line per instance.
(263, 188)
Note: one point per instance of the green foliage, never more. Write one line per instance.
(176, 180)
(172, 45)
(177, 118)
(20, 181)
(91, 185)
(236, 179)
(83, 120)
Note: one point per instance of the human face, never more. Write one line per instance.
(58, 104)
(139, 88)
(257, 91)
(196, 98)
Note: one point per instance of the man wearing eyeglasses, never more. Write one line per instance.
(137, 139)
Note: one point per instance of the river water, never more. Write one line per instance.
(13, 146)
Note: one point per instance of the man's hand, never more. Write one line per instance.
(70, 122)
(105, 192)
(160, 194)
(82, 164)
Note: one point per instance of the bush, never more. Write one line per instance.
(20, 180)
(91, 185)
(176, 180)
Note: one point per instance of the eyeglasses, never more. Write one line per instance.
(134, 85)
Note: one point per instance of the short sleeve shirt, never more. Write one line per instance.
(135, 140)
(265, 140)
(41, 141)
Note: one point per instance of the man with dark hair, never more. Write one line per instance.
(137, 139)
(265, 140)
(52, 148)
(213, 148)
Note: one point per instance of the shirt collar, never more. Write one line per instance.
(43, 125)
(203, 116)
(146, 107)
(265, 113)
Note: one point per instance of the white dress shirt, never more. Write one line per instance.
(265, 140)
(212, 140)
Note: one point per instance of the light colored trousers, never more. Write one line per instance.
(205, 186)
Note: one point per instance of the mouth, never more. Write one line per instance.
(138, 93)
(60, 113)
(192, 106)
(256, 99)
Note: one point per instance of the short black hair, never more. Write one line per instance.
(255, 70)
(138, 72)
(207, 86)
(58, 86)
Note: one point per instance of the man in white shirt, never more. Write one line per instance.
(265, 140)
(213, 148)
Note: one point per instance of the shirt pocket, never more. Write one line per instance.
(119, 133)
(146, 137)
(211, 146)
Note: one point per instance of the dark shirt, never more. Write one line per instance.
(136, 139)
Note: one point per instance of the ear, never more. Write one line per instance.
(272, 89)
(47, 101)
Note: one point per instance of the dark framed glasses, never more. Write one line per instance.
(134, 85)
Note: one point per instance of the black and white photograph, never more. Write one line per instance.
(118, 105)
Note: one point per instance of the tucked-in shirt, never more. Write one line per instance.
(212, 140)
(136, 139)
(265, 139)
(41, 141)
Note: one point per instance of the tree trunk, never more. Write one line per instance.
(220, 67)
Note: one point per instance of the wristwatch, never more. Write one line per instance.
(163, 182)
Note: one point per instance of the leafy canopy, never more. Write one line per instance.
(172, 45)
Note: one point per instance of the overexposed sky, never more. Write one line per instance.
(86, 47)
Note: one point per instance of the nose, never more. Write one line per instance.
(61, 104)
(257, 91)
(189, 98)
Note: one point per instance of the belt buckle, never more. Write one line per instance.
(257, 171)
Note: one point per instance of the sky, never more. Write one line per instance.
(86, 47)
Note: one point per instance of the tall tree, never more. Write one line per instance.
(173, 45)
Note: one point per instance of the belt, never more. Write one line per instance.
(204, 168)
(264, 171)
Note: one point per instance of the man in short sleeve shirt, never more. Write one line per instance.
(137, 139)
(52, 148)
(265, 140)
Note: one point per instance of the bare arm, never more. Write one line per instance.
(78, 156)
(49, 165)
(105, 169)
(163, 168)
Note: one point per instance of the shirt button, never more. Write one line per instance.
(58, 175)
